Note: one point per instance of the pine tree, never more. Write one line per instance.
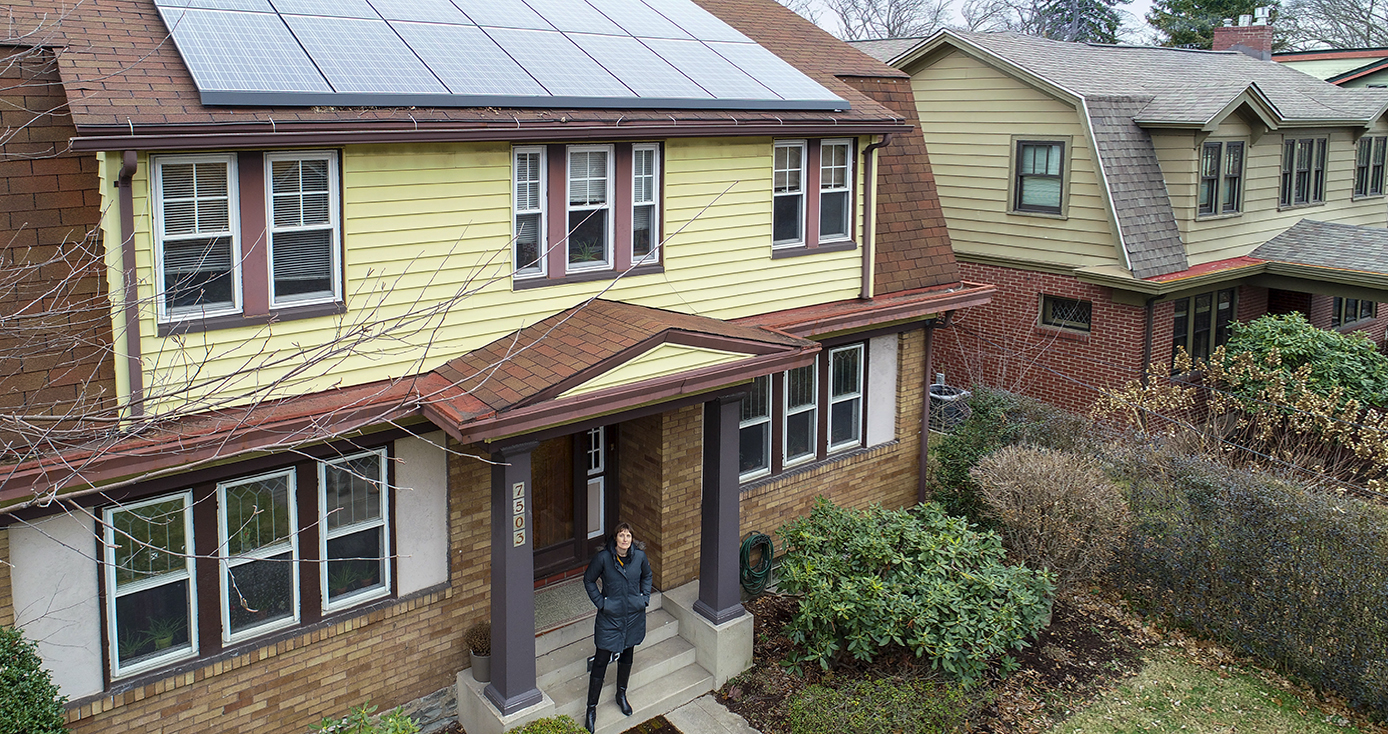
(1083, 21)
(1191, 23)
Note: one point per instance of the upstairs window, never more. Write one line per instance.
(1039, 185)
(835, 189)
(645, 198)
(1221, 178)
(196, 236)
(590, 207)
(1368, 166)
(1303, 172)
(1347, 311)
(303, 227)
(529, 207)
(788, 194)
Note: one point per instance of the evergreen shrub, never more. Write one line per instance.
(552, 725)
(29, 700)
(1295, 577)
(918, 579)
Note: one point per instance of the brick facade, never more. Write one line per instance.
(57, 359)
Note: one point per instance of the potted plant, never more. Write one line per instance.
(163, 631)
(479, 642)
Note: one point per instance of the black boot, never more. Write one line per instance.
(623, 675)
(590, 721)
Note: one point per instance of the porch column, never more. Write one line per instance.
(513, 582)
(719, 599)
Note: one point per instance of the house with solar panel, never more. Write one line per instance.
(408, 303)
(1130, 203)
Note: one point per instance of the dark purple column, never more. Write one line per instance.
(513, 582)
(719, 598)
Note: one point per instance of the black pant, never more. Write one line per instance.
(602, 657)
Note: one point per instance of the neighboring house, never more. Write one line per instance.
(1130, 202)
(1349, 67)
(400, 333)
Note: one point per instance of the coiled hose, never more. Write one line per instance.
(754, 579)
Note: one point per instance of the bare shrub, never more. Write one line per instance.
(1058, 509)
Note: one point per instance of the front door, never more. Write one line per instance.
(575, 497)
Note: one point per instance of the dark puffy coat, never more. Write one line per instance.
(626, 591)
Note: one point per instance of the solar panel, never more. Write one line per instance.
(638, 67)
(484, 70)
(225, 50)
(254, 6)
(375, 59)
(768, 68)
(709, 70)
(427, 11)
(558, 64)
(497, 53)
(573, 15)
(503, 14)
(330, 8)
(698, 22)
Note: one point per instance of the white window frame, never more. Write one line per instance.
(334, 223)
(324, 535)
(804, 164)
(607, 205)
(859, 395)
(225, 563)
(847, 144)
(233, 230)
(786, 412)
(541, 268)
(654, 203)
(113, 593)
(762, 422)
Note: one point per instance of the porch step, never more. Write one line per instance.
(582, 628)
(649, 700)
(571, 660)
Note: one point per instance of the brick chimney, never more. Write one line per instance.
(1251, 36)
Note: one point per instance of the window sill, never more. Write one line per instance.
(584, 276)
(1062, 333)
(231, 321)
(1365, 197)
(803, 250)
(1044, 215)
(1212, 217)
(765, 480)
(1308, 205)
(1359, 325)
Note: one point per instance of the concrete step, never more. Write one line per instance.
(571, 660)
(649, 700)
(583, 628)
(651, 663)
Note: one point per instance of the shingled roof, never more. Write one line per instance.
(1343, 247)
(123, 74)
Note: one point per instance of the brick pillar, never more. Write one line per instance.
(719, 598)
(513, 582)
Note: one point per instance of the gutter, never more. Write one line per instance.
(130, 285)
(869, 210)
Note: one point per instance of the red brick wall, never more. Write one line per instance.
(57, 359)
(1003, 345)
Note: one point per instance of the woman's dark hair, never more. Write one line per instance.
(620, 527)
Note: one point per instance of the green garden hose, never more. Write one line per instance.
(754, 579)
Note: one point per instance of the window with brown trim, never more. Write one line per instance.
(1066, 313)
(1040, 176)
(1221, 178)
(1303, 172)
(812, 196)
(1368, 165)
(1201, 322)
(1348, 311)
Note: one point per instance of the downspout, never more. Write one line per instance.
(869, 209)
(129, 285)
(1150, 309)
(922, 490)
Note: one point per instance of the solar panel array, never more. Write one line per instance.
(480, 53)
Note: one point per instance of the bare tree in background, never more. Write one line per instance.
(806, 9)
(1310, 24)
(1096, 21)
(867, 19)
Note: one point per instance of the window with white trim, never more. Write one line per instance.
(258, 554)
(197, 251)
(303, 228)
(590, 207)
(801, 413)
(846, 397)
(754, 431)
(528, 234)
(354, 539)
(788, 194)
(151, 587)
(835, 190)
(645, 203)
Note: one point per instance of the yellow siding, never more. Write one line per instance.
(1221, 237)
(665, 359)
(970, 113)
(1326, 68)
(427, 238)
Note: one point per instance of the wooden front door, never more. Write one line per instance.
(575, 497)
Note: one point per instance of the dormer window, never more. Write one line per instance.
(1221, 178)
(1039, 186)
(1368, 166)
(1303, 172)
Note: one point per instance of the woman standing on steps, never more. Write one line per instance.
(621, 622)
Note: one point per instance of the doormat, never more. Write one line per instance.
(658, 725)
(558, 605)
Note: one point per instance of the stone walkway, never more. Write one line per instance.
(704, 715)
